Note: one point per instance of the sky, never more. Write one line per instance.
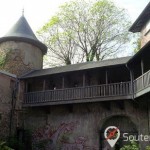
(38, 12)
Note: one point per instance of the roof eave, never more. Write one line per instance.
(8, 74)
(134, 28)
(37, 43)
(27, 77)
(139, 53)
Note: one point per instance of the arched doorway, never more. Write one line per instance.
(124, 124)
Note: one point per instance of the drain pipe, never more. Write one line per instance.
(132, 83)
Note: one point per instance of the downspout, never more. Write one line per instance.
(13, 105)
(132, 83)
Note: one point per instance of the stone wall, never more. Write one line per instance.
(79, 126)
(6, 85)
(20, 57)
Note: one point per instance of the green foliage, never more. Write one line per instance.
(15, 143)
(3, 146)
(4, 56)
(137, 45)
(147, 147)
(132, 146)
(85, 30)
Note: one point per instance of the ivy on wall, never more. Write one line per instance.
(4, 54)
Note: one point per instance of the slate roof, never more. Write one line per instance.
(77, 67)
(22, 31)
(143, 18)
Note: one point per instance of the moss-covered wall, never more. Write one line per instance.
(19, 57)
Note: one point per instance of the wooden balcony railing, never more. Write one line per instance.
(79, 93)
(142, 82)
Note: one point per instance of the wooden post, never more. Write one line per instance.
(106, 74)
(142, 66)
(84, 80)
(83, 92)
(44, 83)
(106, 80)
(142, 70)
(132, 84)
(26, 86)
(63, 82)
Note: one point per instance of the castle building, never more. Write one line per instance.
(70, 107)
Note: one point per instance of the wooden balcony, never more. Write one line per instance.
(142, 84)
(114, 91)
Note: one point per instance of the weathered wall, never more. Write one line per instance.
(6, 84)
(145, 36)
(78, 126)
(20, 57)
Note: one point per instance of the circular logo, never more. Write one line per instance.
(112, 135)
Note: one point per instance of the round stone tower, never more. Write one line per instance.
(20, 50)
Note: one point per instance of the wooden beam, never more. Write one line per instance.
(86, 100)
(44, 83)
(26, 86)
(132, 85)
(83, 80)
(63, 82)
(142, 70)
(106, 74)
(142, 66)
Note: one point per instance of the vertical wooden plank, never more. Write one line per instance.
(106, 75)
(63, 82)
(83, 89)
(142, 66)
(26, 86)
(84, 80)
(142, 70)
(106, 80)
(42, 95)
(44, 83)
(132, 84)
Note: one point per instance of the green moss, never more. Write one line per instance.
(4, 57)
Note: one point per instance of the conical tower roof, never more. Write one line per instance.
(22, 31)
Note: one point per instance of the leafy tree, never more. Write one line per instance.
(85, 30)
(137, 44)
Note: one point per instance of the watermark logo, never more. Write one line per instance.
(112, 135)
